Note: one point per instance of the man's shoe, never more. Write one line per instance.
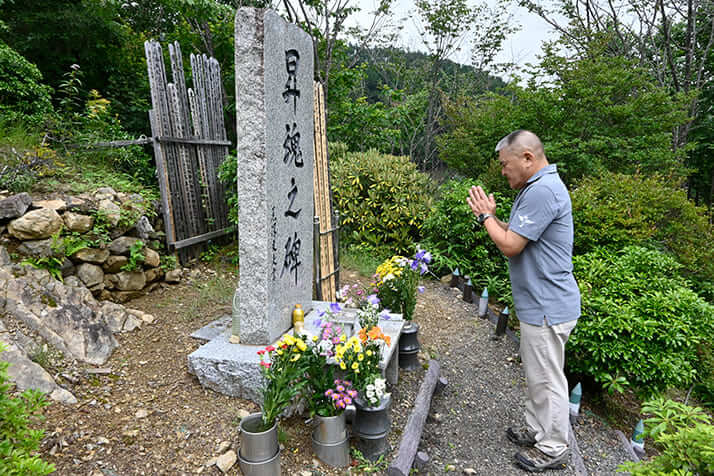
(535, 461)
(523, 436)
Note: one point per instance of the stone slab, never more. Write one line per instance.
(214, 329)
(234, 369)
(275, 151)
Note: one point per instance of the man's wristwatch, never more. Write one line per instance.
(483, 217)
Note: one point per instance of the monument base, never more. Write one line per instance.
(234, 369)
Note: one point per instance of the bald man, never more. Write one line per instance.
(538, 241)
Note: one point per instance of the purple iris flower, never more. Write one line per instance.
(413, 264)
(420, 289)
(420, 255)
(317, 322)
(335, 307)
(427, 257)
(423, 268)
(373, 299)
(384, 315)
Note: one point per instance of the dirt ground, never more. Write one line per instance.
(144, 414)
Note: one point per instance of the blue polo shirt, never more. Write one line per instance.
(542, 274)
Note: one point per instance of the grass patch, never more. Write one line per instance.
(78, 175)
(215, 293)
(362, 260)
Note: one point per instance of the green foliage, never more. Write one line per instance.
(136, 257)
(168, 262)
(99, 234)
(96, 123)
(51, 263)
(367, 466)
(382, 199)
(227, 173)
(639, 321)
(456, 240)
(68, 244)
(23, 97)
(18, 441)
(683, 434)
(19, 171)
(616, 210)
(597, 113)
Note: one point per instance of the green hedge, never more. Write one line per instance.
(617, 210)
(640, 323)
(456, 240)
(382, 199)
(22, 96)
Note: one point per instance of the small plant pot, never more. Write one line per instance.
(371, 421)
(409, 347)
(373, 446)
(259, 449)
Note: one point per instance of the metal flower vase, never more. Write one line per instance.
(330, 440)
(259, 453)
(371, 426)
(409, 347)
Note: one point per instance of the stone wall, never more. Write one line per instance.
(45, 231)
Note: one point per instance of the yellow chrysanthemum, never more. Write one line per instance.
(360, 357)
(355, 366)
(314, 338)
(369, 353)
(343, 338)
(280, 352)
(343, 366)
(301, 345)
(295, 357)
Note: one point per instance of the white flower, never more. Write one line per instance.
(388, 277)
(370, 388)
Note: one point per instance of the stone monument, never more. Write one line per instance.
(274, 109)
(274, 112)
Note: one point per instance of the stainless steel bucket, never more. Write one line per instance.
(270, 467)
(257, 446)
(333, 454)
(329, 430)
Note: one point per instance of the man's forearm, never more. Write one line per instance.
(506, 240)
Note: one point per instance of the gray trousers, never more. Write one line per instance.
(547, 412)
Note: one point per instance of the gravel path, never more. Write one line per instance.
(485, 395)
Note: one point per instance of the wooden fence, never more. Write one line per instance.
(189, 138)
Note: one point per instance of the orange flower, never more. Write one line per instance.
(363, 335)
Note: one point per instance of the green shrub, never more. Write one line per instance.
(136, 257)
(22, 96)
(616, 210)
(18, 441)
(227, 173)
(456, 240)
(640, 321)
(382, 199)
(683, 436)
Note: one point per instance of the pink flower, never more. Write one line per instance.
(328, 392)
(348, 401)
(340, 388)
(261, 352)
(270, 348)
(265, 364)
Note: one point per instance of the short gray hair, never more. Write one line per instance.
(509, 139)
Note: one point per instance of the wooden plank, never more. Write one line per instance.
(201, 238)
(194, 141)
(402, 464)
(164, 186)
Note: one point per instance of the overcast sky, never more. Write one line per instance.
(521, 48)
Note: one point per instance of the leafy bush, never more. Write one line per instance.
(136, 257)
(456, 240)
(683, 435)
(22, 96)
(382, 199)
(616, 210)
(17, 441)
(227, 173)
(640, 322)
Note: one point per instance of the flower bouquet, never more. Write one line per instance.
(397, 282)
(359, 358)
(283, 367)
(319, 371)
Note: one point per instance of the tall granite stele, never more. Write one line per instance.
(274, 109)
